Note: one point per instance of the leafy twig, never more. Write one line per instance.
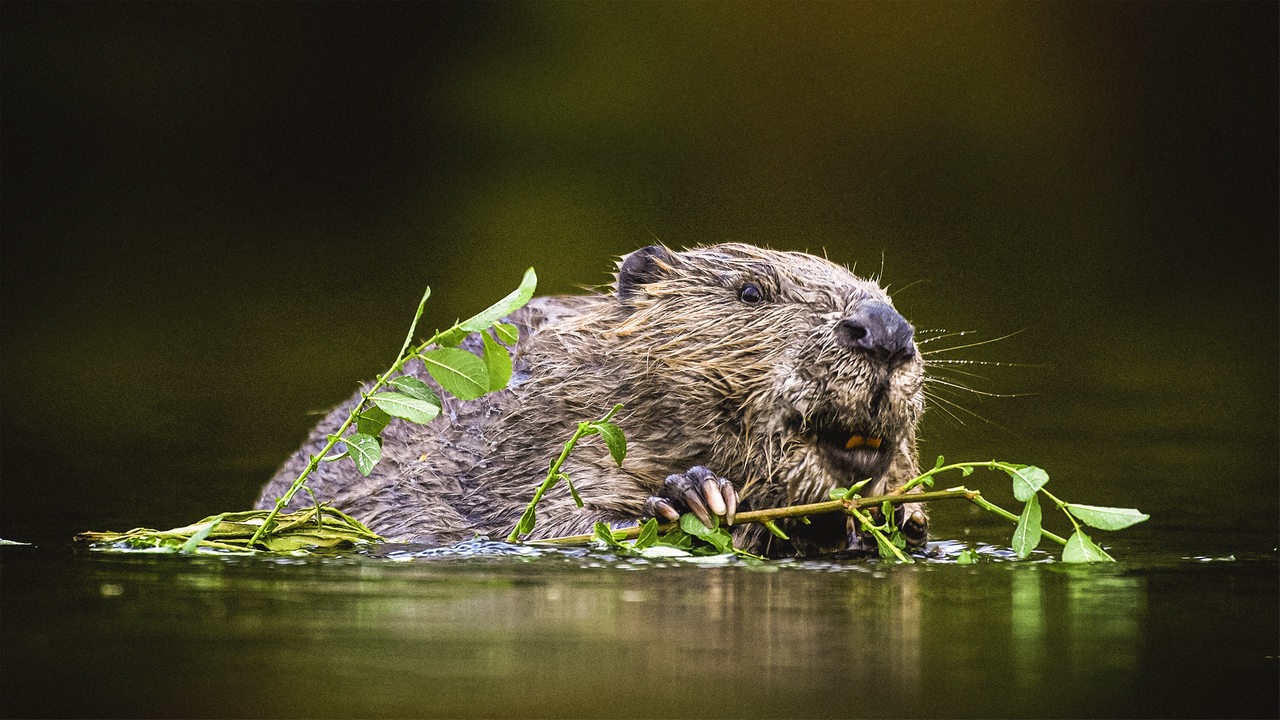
(465, 377)
(1028, 485)
(614, 440)
(392, 395)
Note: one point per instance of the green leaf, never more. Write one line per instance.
(718, 537)
(299, 539)
(1026, 536)
(886, 548)
(1106, 518)
(507, 333)
(613, 438)
(458, 372)
(497, 363)
(503, 307)
(1027, 480)
(676, 538)
(406, 406)
(941, 461)
(720, 540)
(365, 450)
(1080, 548)
(196, 538)
(573, 491)
(693, 526)
(838, 493)
(414, 387)
(966, 470)
(372, 421)
(648, 534)
(527, 521)
(604, 533)
(967, 556)
(451, 337)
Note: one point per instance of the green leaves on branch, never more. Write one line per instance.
(506, 333)
(460, 373)
(613, 439)
(1029, 480)
(717, 537)
(464, 375)
(1029, 484)
(372, 422)
(518, 298)
(688, 538)
(497, 363)
(415, 401)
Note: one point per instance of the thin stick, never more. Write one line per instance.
(987, 505)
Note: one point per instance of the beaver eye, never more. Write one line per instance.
(750, 294)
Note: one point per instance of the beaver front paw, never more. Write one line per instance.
(697, 490)
(913, 521)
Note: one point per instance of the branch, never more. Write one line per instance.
(790, 511)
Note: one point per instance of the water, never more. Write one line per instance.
(401, 633)
(218, 218)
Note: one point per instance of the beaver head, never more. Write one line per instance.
(801, 376)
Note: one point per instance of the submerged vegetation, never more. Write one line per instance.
(467, 376)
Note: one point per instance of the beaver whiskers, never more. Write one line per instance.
(946, 378)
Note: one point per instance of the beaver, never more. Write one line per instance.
(750, 378)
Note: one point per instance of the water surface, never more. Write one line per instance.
(399, 633)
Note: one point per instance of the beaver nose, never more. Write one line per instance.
(879, 330)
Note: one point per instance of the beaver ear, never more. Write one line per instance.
(646, 265)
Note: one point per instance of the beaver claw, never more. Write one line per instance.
(698, 490)
(914, 523)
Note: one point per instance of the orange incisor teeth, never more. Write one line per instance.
(857, 441)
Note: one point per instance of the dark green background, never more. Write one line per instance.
(218, 217)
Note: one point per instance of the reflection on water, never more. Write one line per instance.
(1081, 623)
(583, 634)
(1026, 619)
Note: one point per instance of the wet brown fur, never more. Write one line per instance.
(705, 378)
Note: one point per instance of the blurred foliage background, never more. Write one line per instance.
(217, 218)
